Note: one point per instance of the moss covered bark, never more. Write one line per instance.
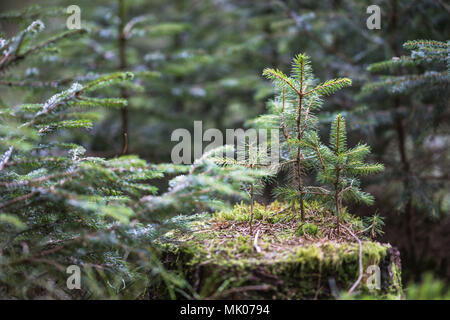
(219, 261)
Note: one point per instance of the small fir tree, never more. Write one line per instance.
(339, 167)
(293, 111)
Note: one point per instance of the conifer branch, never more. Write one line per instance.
(277, 74)
(9, 59)
(331, 86)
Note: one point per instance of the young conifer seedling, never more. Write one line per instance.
(339, 168)
(293, 112)
(256, 162)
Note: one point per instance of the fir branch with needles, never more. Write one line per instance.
(295, 107)
(339, 170)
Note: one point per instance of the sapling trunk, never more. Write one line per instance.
(299, 137)
(252, 200)
(338, 169)
(337, 201)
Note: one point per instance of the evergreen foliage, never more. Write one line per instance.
(339, 168)
(254, 159)
(60, 207)
(424, 53)
(420, 76)
(293, 110)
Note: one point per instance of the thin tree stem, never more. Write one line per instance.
(252, 202)
(299, 137)
(122, 42)
(336, 199)
(336, 183)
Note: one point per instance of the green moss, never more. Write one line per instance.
(309, 229)
(396, 288)
(273, 213)
(296, 261)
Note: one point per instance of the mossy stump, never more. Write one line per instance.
(220, 259)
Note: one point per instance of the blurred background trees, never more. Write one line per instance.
(202, 60)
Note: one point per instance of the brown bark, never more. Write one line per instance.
(401, 136)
